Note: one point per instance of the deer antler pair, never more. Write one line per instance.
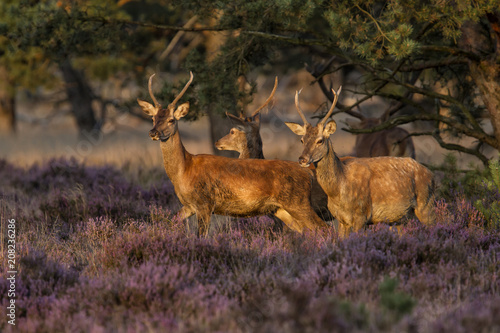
(158, 105)
(329, 113)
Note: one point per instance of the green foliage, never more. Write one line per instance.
(491, 208)
(482, 187)
(397, 302)
(455, 180)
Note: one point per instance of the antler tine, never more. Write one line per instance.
(299, 110)
(269, 98)
(150, 82)
(183, 90)
(323, 121)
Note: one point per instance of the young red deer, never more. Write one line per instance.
(245, 136)
(364, 190)
(207, 184)
(395, 141)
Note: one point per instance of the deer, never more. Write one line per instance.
(208, 184)
(245, 139)
(395, 141)
(363, 191)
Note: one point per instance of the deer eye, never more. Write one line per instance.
(302, 140)
(171, 121)
(320, 141)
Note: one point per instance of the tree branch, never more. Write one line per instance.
(433, 64)
(450, 50)
(451, 146)
(481, 136)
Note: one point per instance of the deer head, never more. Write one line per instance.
(245, 134)
(164, 119)
(314, 138)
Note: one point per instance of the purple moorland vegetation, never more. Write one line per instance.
(99, 250)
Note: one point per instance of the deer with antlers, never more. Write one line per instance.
(208, 184)
(245, 138)
(362, 191)
(395, 141)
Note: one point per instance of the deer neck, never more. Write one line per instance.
(253, 149)
(174, 157)
(330, 172)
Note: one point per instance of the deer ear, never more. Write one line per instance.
(181, 111)
(256, 119)
(148, 108)
(296, 128)
(330, 128)
(235, 120)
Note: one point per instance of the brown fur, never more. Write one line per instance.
(389, 142)
(207, 184)
(366, 190)
(245, 138)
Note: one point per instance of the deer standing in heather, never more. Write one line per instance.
(394, 141)
(364, 190)
(245, 138)
(208, 184)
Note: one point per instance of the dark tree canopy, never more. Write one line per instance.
(435, 61)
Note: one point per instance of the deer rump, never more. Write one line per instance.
(241, 187)
(394, 187)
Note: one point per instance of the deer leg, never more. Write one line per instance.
(184, 214)
(203, 223)
(306, 217)
(425, 212)
(288, 220)
(343, 230)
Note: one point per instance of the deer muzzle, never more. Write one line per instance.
(304, 161)
(220, 145)
(154, 134)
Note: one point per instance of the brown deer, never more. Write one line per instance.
(395, 141)
(208, 184)
(364, 190)
(245, 137)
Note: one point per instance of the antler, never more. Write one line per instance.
(299, 110)
(183, 90)
(157, 105)
(323, 121)
(269, 99)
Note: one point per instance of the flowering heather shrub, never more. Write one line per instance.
(134, 266)
(64, 192)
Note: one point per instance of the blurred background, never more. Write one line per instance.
(71, 71)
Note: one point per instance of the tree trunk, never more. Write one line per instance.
(7, 104)
(218, 125)
(7, 114)
(80, 96)
(485, 44)
(486, 75)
